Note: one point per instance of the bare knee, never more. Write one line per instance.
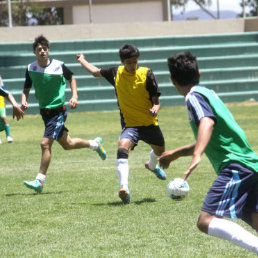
(204, 221)
(45, 145)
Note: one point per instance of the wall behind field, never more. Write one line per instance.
(122, 30)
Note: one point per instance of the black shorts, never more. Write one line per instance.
(149, 134)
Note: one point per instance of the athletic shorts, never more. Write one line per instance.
(54, 120)
(149, 134)
(234, 194)
(2, 112)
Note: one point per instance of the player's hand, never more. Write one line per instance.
(80, 57)
(154, 111)
(194, 163)
(17, 112)
(73, 102)
(24, 106)
(165, 159)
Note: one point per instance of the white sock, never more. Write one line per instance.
(123, 172)
(93, 144)
(236, 234)
(153, 160)
(41, 178)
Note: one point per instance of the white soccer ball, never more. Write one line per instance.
(178, 189)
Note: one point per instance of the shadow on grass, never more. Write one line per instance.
(119, 203)
(34, 193)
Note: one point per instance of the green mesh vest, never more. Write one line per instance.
(228, 143)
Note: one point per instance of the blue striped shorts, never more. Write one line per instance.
(234, 194)
(54, 123)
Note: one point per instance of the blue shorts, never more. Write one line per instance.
(234, 194)
(149, 134)
(54, 120)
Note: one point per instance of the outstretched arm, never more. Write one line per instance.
(204, 134)
(95, 71)
(168, 156)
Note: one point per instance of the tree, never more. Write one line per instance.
(201, 3)
(25, 12)
(252, 6)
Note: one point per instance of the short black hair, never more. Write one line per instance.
(184, 69)
(128, 51)
(40, 40)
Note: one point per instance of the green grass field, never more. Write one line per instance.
(79, 213)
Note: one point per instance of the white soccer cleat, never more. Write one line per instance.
(9, 139)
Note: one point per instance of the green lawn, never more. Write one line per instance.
(79, 213)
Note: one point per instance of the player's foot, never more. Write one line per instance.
(100, 150)
(157, 171)
(0, 141)
(124, 195)
(35, 185)
(9, 139)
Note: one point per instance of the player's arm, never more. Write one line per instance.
(17, 111)
(26, 91)
(95, 71)
(156, 106)
(24, 98)
(73, 102)
(168, 156)
(153, 89)
(204, 134)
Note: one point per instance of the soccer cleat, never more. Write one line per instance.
(35, 185)
(124, 195)
(9, 139)
(100, 150)
(0, 141)
(157, 171)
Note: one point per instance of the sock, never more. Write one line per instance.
(7, 130)
(123, 172)
(153, 160)
(93, 144)
(234, 233)
(41, 178)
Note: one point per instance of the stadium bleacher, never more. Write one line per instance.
(228, 64)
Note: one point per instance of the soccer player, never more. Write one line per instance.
(48, 76)
(17, 111)
(234, 194)
(4, 125)
(138, 100)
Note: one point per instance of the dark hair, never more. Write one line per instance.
(128, 51)
(184, 69)
(40, 40)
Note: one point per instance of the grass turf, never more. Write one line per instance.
(79, 213)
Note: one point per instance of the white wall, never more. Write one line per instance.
(119, 13)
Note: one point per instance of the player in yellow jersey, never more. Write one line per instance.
(4, 125)
(17, 112)
(137, 94)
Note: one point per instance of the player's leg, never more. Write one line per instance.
(122, 164)
(154, 137)
(127, 141)
(37, 184)
(227, 230)
(69, 143)
(226, 197)
(254, 219)
(6, 125)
